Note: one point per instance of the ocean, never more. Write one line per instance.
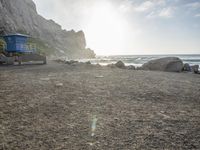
(139, 60)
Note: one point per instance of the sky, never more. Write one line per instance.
(125, 27)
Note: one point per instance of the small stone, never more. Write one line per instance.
(91, 144)
(59, 84)
(99, 77)
(116, 119)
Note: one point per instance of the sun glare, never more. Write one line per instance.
(106, 30)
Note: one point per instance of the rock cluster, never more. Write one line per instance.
(121, 65)
(168, 64)
(188, 68)
(75, 63)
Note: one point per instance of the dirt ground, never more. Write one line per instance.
(63, 107)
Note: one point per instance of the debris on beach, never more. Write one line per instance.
(59, 84)
(99, 77)
(94, 125)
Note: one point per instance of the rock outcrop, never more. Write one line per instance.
(20, 16)
(169, 64)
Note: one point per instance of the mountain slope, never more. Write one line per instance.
(20, 16)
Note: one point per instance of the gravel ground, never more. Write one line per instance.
(62, 107)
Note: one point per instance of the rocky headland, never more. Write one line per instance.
(20, 16)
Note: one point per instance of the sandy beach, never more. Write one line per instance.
(58, 106)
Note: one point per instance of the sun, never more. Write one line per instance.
(106, 30)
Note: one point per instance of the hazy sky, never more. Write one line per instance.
(130, 26)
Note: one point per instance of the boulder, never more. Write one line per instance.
(195, 68)
(186, 67)
(169, 64)
(120, 64)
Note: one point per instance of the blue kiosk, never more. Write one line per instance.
(17, 43)
(17, 49)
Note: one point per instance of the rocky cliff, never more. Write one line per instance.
(20, 16)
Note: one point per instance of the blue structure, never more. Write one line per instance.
(16, 48)
(16, 43)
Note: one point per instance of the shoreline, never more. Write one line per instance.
(137, 60)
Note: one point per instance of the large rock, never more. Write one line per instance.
(169, 64)
(20, 16)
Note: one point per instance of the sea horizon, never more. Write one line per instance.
(144, 54)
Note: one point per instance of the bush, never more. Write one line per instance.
(2, 45)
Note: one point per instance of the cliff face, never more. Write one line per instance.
(20, 16)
